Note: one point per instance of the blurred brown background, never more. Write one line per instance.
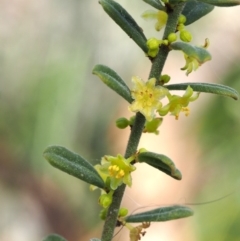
(49, 96)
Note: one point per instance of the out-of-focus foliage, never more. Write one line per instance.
(45, 76)
(221, 166)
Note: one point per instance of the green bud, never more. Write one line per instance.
(153, 43)
(142, 150)
(182, 19)
(153, 47)
(165, 42)
(103, 214)
(122, 212)
(122, 123)
(172, 37)
(185, 36)
(105, 200)
(180, 27)
(152, 53)
(165, 78)
(132, 120)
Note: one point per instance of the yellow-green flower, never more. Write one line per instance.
(146, 97)
(160, 16)
(191, 64)
(196, 57)
(117, 170)
(178, 104)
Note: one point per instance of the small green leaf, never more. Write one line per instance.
(198, 53)
(54, 237)
(73, 164)
(126, 22)
(155, 3)
(222, 3)
(95, 239)
(113, 81)
(161, 162)
(161, 214)
(195, 10)
(207, 88)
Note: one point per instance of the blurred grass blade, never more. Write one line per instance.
(54, 237)
(73, 164)
(155, 3)
(113, 81)
(95, 239)
(195, 10)
(207, 88)
(126, 22)
(161, 162)
(161, 214)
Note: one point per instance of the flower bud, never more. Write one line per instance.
(103, 214)
(122, 123)
(105, 200)
(185, 36)
(172, 37)
(165, 42)
(182, 19)
(141, 150)
(153, 47)
(122, 212)
(165, 78)
(180, 27)
(132, 120)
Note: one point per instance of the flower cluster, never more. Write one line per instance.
(194, 56)
(147, 99)
(185, 36)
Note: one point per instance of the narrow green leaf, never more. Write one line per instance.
(155, 3)
(95, 239)
(207, 88)
(126, 22)
(195, 10)
(113, 81)
(222, 3)
(161, 214)
(161, 162)
(73, 164)
(199, 53)
(54, 237)
(175, 2)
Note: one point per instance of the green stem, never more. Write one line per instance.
(159, 61)
(136, 132)
(110, 222)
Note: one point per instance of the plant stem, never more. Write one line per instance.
(110, 222)
(136, 132)
(159, 61)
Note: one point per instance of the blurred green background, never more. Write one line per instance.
(49, 96)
